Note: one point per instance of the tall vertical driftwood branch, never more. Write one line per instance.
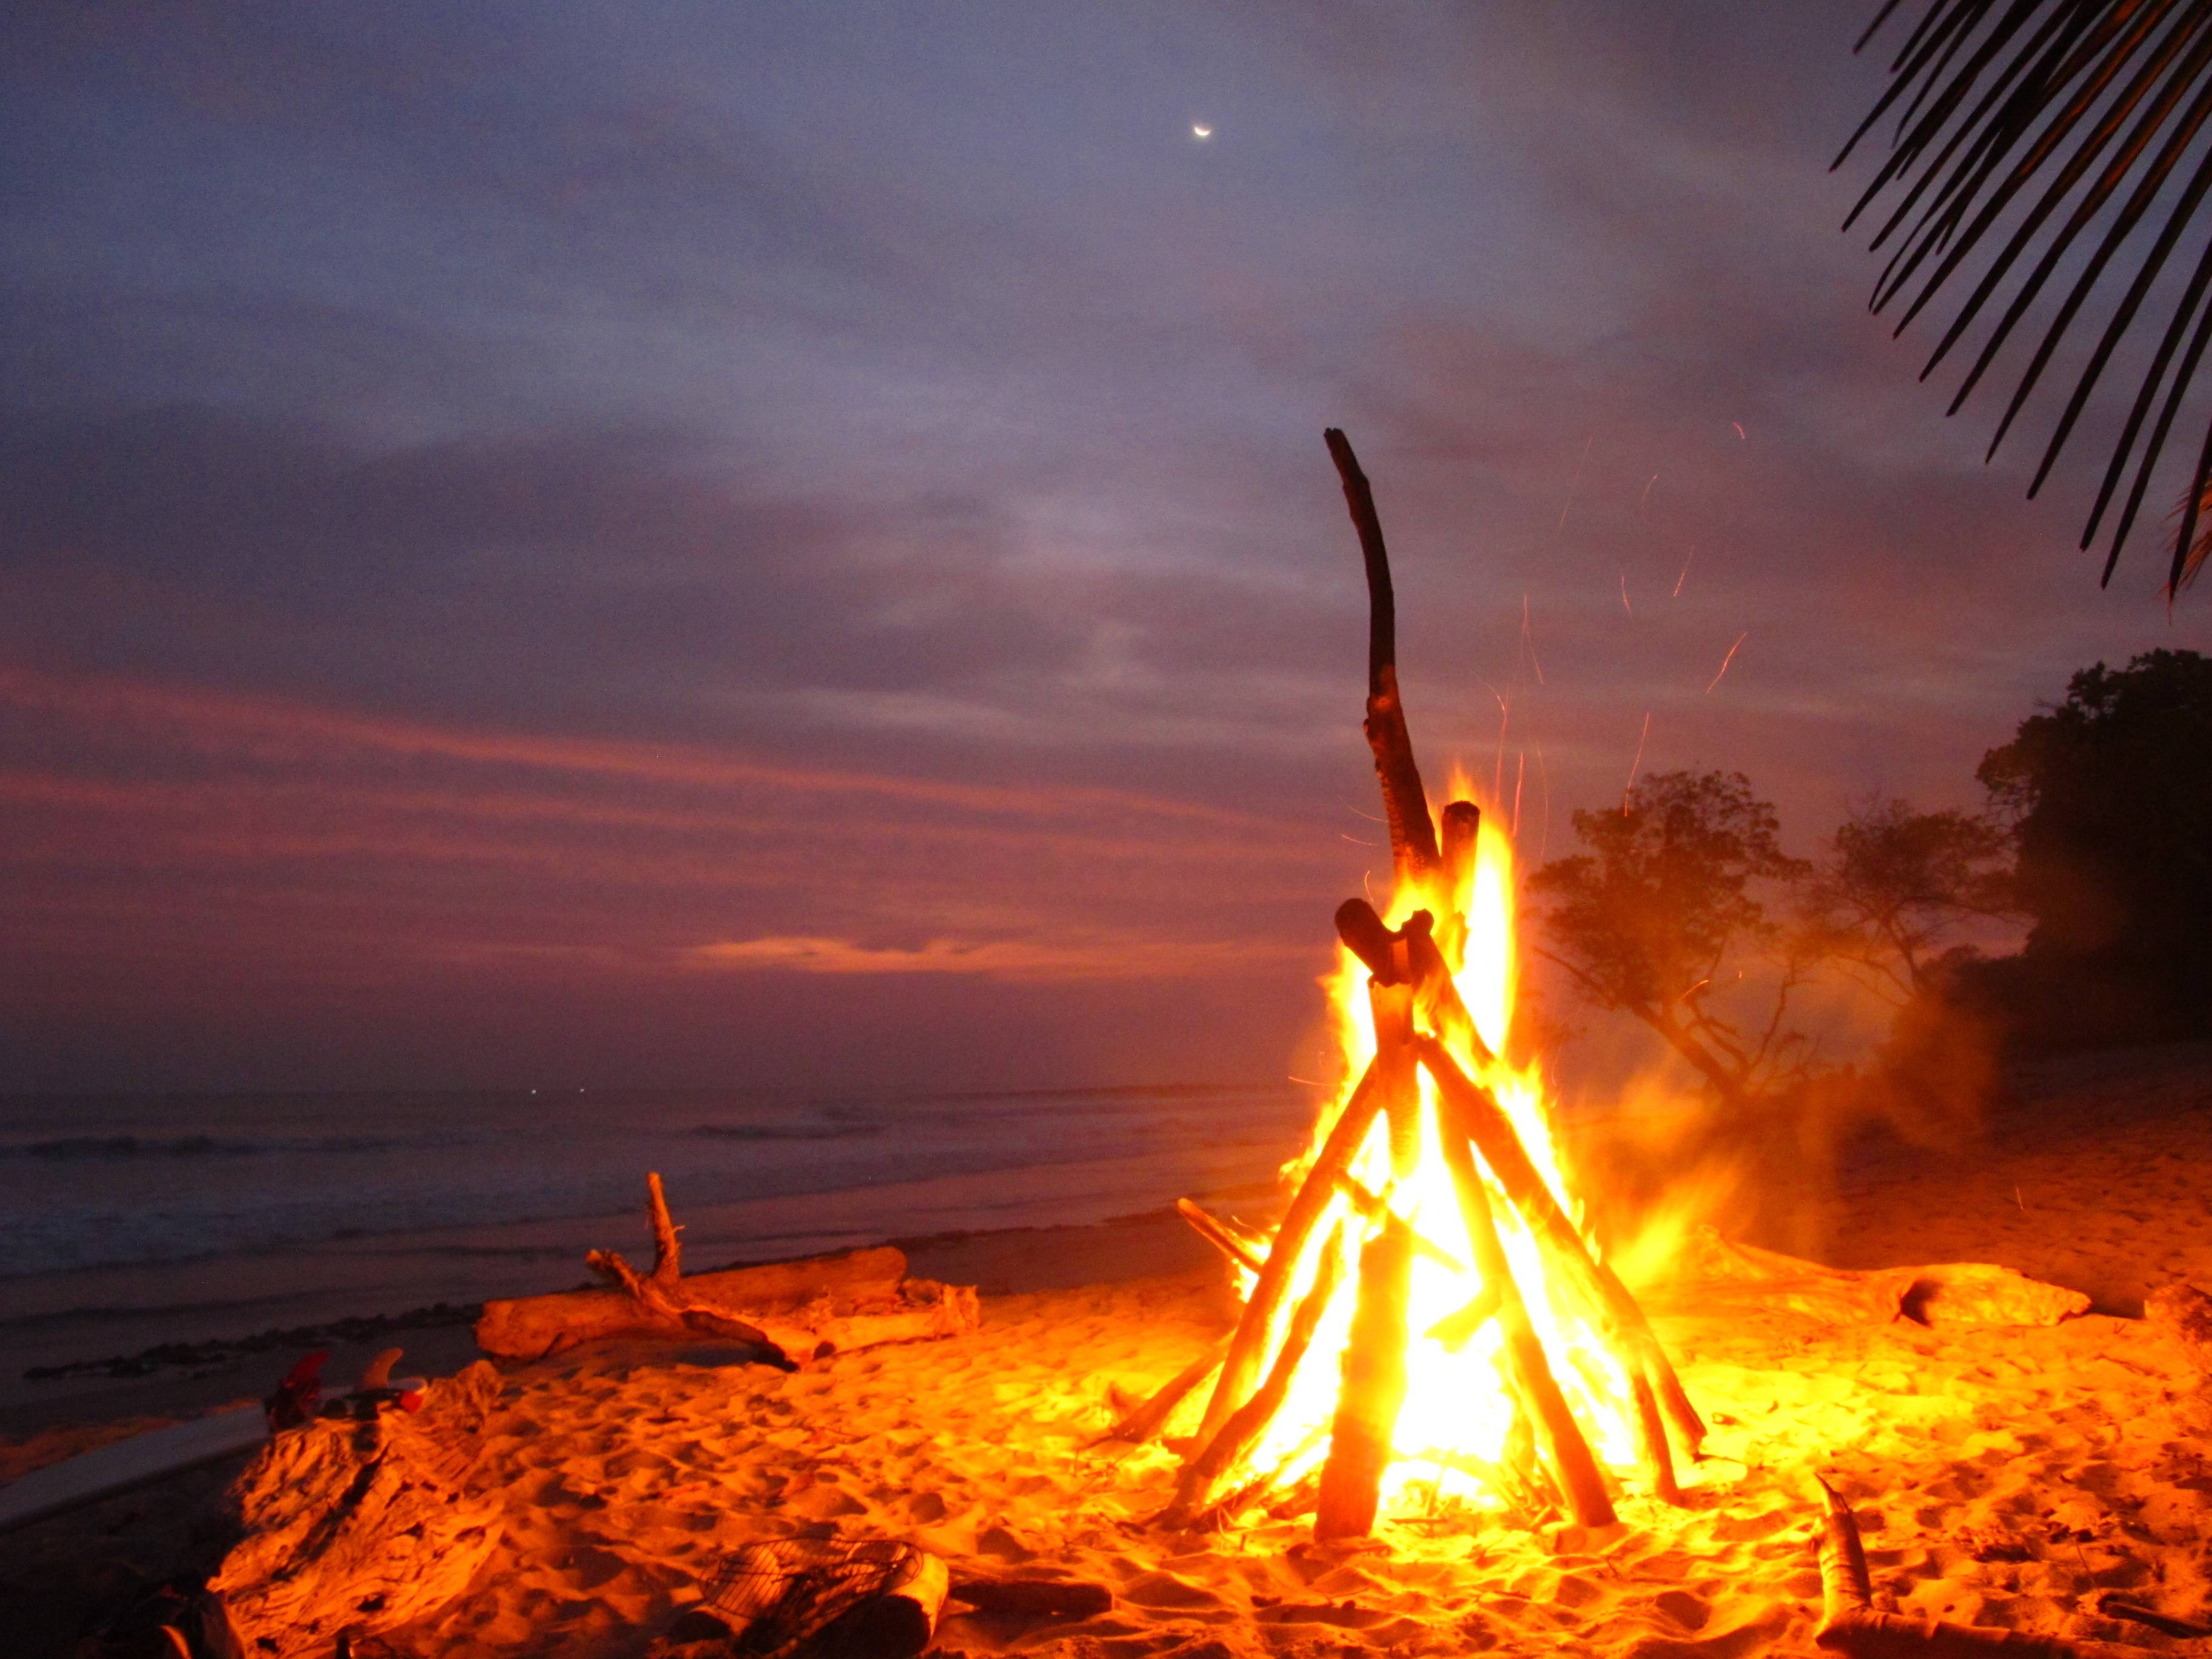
(1405, 803)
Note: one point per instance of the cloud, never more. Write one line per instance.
(482, 511)
(998, 959)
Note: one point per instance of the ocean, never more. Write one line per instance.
(127, 1221)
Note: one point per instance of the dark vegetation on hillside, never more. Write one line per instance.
(1682, 911)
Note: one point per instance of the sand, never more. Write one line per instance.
(2005, 1477)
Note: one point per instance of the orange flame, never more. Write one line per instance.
(1452, 1430)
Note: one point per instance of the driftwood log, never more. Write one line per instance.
(791, 1311)
(353, 1527)
(1713, 1275)
(1849, 1624)
(1032, 1598)
(1372, 1390)
(1231, 1240)
(1476, 1114)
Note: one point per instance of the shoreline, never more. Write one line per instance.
(2082, 1175)
(183, 1377)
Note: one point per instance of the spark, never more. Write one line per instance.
(1497, 767)
(1354, 840)
(1624, 605)
(1201, 131)
(1575, 484)
(1738, 425)
(1635, 765)
(1646, 496)
(1520, 776)
(1728, 659)
(1529, 638)
(1684, 576)
(1543, 782)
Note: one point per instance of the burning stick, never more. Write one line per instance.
(1241, 1431)
(1651, 1443)
(1142, 1423)
(1234, 1504)
(1405, 803)
(1850, 1625)
(1565, 1449)
(1479, 1118)
(1217, 1233)
(1307, 1208)
(1463, 823)
(1456, 1330)
(1373, 1389)
(1374, 1205)
(1410, 955)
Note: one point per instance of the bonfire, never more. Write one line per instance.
(1429, 1316)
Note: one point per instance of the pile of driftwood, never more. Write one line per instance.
(790, 1312)
(1420, 1026)
(347, 1527)
(1715, 1277)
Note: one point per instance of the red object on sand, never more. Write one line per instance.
(299, 1393)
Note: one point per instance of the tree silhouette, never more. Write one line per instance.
(1666, 899)
(1896, 883)
(2110, 793)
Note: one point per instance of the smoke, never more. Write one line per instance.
(1657, 1154)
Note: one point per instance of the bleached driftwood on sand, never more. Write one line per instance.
(792, 1311)
(1711, 1273)
(1849, 1624)
(353, 1527)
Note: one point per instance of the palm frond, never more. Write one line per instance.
(2062, 150)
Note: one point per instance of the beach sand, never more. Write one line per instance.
(2005, 1477)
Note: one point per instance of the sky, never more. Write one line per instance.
(791, 546)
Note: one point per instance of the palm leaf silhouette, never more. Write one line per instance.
(2057, 150)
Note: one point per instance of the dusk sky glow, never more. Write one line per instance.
(705, 545)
